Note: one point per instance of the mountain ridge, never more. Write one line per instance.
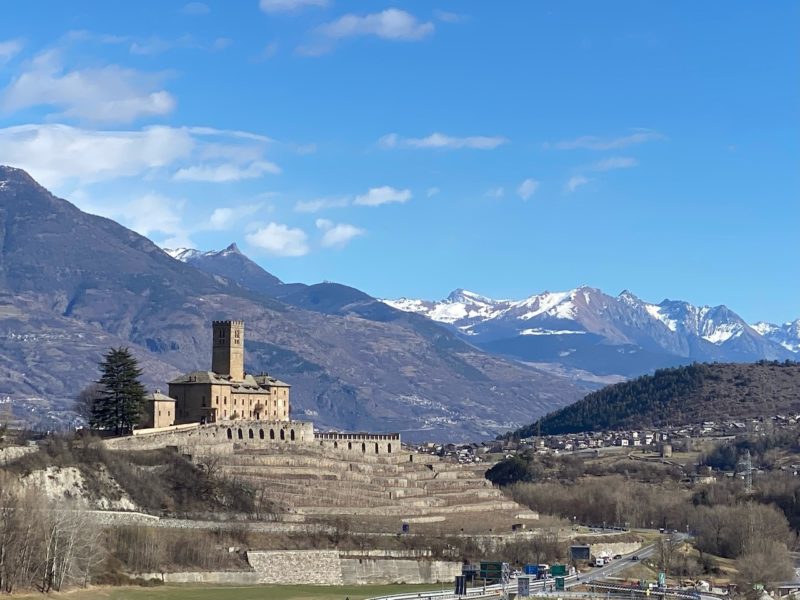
(74, 284)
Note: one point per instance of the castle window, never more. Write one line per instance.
(335, 445)
(240, 433)
(389, 449)
(272, 434)
(283, 434)
(159, 413)
(291, 434)
(261, 433)
(363, 447)
(349, 445)
(250, 434)
(230, 434)
(376, 447)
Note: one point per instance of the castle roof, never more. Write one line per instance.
(157, 396)
(249, 384)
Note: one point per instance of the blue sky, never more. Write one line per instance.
(411, 148)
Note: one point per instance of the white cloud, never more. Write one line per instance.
(318, 204)
(337, 235)
(196, 8)
(441, 140)
(109, 94)
(9, 49)
(527, 188)
(383, 195)
(496, 193)
(615, 162)
(221, 43)
(55, 153)
(269, 51)
(226, 172)
(279, 240)
(284, 6)
(226, 217)
(432, 191)
(575, 182)
(390, 24)
(590, 142)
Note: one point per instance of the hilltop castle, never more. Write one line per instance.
(226, 409)
(225, 393)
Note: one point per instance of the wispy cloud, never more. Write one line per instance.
(277, 239)
(318, 204)
(57, 153)
(226, 172)
(432, 191)
(196, 8)
(109, 94)
(227, 216)
(614, 162)
(495, 192)
(288, 6)
(527, 188)
(450, 17)
(391, 24)
(383, 195)
(590, 142)
(9, 49)
(337, 235)
(155, 45)
(575, 182)
(441, 140)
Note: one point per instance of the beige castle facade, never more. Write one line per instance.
(226, 392)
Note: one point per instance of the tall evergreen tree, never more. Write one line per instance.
(118, 406)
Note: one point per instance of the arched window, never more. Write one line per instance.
(335, 445)
(283, 434)
(389, 449)
(349, 445)
(261, 433)
(240, 433)
(291, 434)
(230, 434)
(250, 434)
(376, 447)
(363, 447)
(272, 434)
(410, 458)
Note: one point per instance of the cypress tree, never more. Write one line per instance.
(118, 406)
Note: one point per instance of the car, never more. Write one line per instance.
(634, 557)
(617, 556)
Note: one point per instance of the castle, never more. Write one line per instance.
(225, 393)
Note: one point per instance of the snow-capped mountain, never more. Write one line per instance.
(592, 330)
(787, 335)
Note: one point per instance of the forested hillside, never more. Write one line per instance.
(681, 395)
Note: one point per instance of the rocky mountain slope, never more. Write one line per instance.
(682, 395)
(74, 284)
(588, 329)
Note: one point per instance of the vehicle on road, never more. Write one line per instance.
(617, 556)
(634, 557)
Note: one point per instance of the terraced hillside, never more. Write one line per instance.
(407, 487)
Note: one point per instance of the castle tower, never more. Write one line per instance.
(227, 354)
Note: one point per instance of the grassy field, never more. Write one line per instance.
(259, 592)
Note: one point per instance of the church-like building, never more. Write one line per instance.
(226, 392)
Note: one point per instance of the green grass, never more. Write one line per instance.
(256, 592)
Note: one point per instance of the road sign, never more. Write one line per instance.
(559, 583)
(523, 587)
(662, 579)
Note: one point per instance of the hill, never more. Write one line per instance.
(73, 284)
(681, 395)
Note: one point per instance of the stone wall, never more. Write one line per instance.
(285, 567)
(359, 571)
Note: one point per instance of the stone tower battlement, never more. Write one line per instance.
(227, 354)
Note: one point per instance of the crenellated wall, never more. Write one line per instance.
(229, 436)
